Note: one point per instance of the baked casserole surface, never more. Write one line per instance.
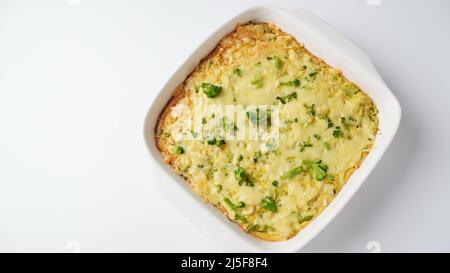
(272, 188)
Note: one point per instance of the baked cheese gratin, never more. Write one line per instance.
(314, 129)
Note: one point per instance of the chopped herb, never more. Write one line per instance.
(337, 133)
(259, 228)
(256, 155)
(234, 207)
(305, 218)
(211, 90)
(313, 75)
(330, 123)
(317, 136)
(323, 116)
(310, 109)
(277, 62)
(257, 82)
(295, 82)
(330, 177)
(179, 150)
(240, 158)
(317, 168)
(220, 142)
(218, 188)
(204, 121)
(240, 174)
(287, 98)
(305, 144)
(230, 204)
(210, 173)
(215, 141)
(347, 122)
(163, 134)
(351, 90)
(269, 204)
(249, 182)
(252, 228)
(240, 218)
(237, 72)
(243, 178)
(327, 146)
(292, 172)
(186, 168)
(275, 183)
(372, 113)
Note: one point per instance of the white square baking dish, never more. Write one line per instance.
(321, 40)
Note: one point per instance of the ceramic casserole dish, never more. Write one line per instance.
(322, 41)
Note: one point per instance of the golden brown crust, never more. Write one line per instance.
(177, 95)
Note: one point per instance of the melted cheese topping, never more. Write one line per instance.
(272, 189)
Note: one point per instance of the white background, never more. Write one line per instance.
(76, 80)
